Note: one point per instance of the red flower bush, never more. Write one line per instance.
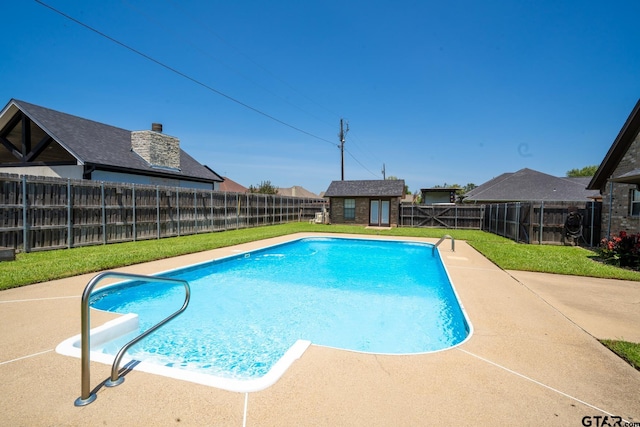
(622, 250)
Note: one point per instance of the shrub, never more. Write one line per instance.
(622, 250)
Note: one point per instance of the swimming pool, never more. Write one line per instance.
(253, 314)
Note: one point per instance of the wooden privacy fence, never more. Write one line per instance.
(543, 222)
(442, 216)
(47, 213)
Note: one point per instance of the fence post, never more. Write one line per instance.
(178, 208)
(133, 202)
(104, 214)
(456, 219)
(517, 222)
(504, 227)
(195, 211)
(541, 222)
(226, 214)
(412, 223)
(211, 198)
(593, 205)
(158, 210)
(69, 214)
(494, 221)
(25, 223)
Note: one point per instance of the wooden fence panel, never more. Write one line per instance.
(48, 213)
(442, 216)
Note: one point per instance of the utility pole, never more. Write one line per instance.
(384, 173)
(342, 135)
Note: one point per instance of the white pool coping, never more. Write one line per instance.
(129, 323)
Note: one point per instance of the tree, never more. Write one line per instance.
(265, 187)
(470, 186)
(585, 171)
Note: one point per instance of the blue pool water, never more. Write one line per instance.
(246, 311)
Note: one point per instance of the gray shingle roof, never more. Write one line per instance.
(104, 145)
(529, 185)
(371, 188)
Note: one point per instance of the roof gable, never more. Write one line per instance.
(620, 146)
(370, 188)
(101, 145)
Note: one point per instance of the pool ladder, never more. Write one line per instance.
(86, 395)
(446, 236)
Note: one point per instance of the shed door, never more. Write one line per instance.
(379, 212)
(384, 212)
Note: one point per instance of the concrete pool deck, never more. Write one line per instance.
(533, 360)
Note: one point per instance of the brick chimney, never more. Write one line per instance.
(156, 148)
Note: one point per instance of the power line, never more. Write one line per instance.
(181, 74)
(257, 64)
(198, 82)
(363, 166)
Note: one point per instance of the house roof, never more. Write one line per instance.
(230, 185)
(297, 191)
(103, 146)
(530, 185)
(618, 149)
(371, 188)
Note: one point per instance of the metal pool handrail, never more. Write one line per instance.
(446, 236)
(86, 396)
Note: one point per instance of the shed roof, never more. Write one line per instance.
(106, 147)
(366, 188)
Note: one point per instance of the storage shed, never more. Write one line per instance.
(369, 202)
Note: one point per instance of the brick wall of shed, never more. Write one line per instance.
(336, 211)
(394, 212)
(616, 215)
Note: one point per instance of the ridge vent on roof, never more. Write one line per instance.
(156, 148)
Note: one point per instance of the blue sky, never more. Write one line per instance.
(439, 92)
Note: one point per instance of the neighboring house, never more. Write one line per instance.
(437, 196)
(374, 203)
(38, 141)
(618, 177)
(527, 185)
(231, 186)
(297, 191)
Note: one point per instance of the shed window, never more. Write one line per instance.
(350, 208)
(634, 202)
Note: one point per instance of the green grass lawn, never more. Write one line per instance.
(629, 351)
(43, 266)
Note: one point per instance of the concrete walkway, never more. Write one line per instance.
(532, 360)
